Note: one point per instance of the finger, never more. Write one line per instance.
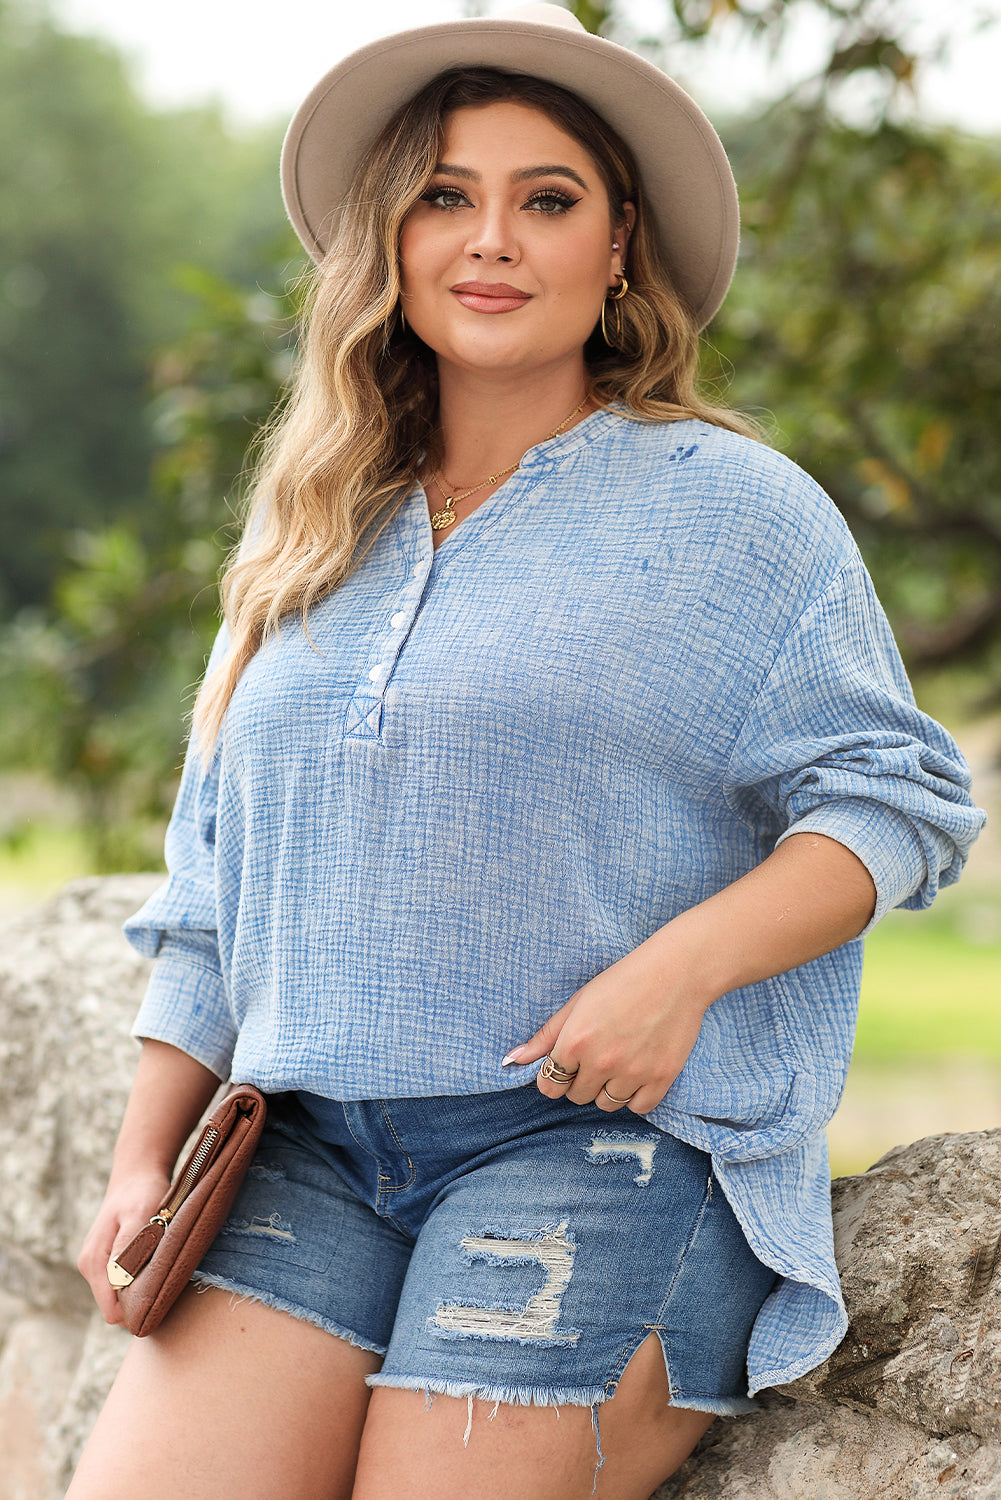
(107, 1301)
(103, 1292)
(542, 1042)
(561, 1060)
(646, 1098)
(553, 1088)
(588, 1088)
(95, 1257)
(613, 1096)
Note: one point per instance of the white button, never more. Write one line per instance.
(377, 672)
(400, 618)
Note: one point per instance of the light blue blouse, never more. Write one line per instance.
(498, 767)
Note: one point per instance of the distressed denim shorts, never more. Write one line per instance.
(503, 1245)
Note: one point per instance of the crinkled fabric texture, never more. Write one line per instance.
(498, 767)
(501, 1245)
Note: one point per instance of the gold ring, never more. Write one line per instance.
(555, 1073)
(612, 1096)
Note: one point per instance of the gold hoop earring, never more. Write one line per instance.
(403, 320)
(615, 297)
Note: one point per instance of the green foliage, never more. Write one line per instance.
(97, 201)
(865, 315)
(90, 692)
(592, 15)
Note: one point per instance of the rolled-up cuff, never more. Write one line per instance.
(186, 1005)
(885, 840)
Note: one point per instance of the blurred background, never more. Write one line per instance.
(147, 301)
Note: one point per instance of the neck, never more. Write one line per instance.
(487, 424)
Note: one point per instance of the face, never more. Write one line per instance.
(508, 255)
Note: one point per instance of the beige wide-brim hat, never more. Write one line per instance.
(687, 182)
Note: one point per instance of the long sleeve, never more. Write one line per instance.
(834, 744)
(186, 1002)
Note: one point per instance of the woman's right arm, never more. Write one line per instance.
(185, 1024)
(170, 1093)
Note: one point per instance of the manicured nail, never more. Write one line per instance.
(512, 1056)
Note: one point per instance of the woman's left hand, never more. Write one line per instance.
(626, 1033)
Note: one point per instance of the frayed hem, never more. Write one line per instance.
(719, 1406)
(503, 1395)
(203, 1280)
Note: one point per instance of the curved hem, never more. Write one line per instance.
(203, 1280)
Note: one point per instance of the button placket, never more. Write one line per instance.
(365, 712)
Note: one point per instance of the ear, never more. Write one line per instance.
(621, 238)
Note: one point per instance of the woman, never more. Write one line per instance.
(554, 720)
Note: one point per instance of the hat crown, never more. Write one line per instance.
(542, 15)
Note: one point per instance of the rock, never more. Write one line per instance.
(908, 1407)
(40, 1355)
(917, 1241)
(69, 989)
(801, 1450)
(102, 1351)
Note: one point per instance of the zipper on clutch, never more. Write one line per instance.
(189, 1179)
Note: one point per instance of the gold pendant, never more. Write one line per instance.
(444, 517)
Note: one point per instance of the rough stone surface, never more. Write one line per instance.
(800, 1450)
(908, 1407)
(102, 1351)
(69, 989)
(917, 1242)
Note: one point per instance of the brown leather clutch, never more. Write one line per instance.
(154, 1267)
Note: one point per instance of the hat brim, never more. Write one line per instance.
(688, 185)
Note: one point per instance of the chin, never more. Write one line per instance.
(507, 356)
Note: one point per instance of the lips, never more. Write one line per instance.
(489, 296)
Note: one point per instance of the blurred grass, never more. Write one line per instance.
(929, 991)
(36, 858)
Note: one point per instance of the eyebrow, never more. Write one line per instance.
(526, 174)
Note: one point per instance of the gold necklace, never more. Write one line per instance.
(446, 515)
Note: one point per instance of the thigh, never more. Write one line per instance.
(229, 1400)
(453, 1449)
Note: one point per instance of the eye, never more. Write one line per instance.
(445, 198)
(551, 202)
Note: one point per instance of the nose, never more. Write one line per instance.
(492, 236)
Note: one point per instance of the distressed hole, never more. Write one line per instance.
(612, 1145)
(273, 1227)
(267, 1171)
(553, 1249)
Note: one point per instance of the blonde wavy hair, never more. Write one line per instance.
(342, 451)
